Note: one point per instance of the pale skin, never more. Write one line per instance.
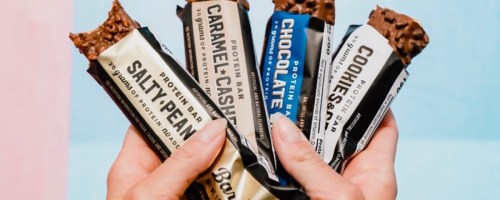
(137, 173)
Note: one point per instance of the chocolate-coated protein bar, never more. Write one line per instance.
(294, 66)
(321, 9)
(368, 71)
(220, 56)
(167, 106)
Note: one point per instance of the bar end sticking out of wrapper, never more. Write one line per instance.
(406, 36)
(117, 26)
(322, 9)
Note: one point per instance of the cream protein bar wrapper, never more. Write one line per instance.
(295, 64)
(368, 71)
(220, 56)
(167, 106)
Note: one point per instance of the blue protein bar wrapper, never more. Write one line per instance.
(221, 58)
(295, 72)
(167, 106)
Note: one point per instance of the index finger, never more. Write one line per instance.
(385, 138)
(134, 162)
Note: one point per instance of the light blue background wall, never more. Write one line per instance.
(447, 112)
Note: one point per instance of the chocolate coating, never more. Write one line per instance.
(118, 24)
(322, 9)
(405, 35)
(244, 3)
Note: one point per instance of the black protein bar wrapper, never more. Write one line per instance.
(220, 56)
(294, 67)
(167, 106)
(366, 76)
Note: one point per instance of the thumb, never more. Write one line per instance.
(306, 166)
(171, 179)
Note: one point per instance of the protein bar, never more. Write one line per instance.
(220, 55)
(321, 9)
(368, 70)
(294, 66)
(404, 34)
(167, 106)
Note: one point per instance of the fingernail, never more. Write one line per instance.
(274, 117)
(212, 129)
(287, 129)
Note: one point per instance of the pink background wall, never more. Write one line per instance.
(35, 58)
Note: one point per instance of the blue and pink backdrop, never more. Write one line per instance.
(61, 132)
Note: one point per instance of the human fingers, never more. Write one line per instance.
(305, 166)
(134, 162)
(373, 169)
(385, 138)
(382, 147)
(171, 179)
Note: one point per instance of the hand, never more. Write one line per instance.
(369, 175)
(138, 173)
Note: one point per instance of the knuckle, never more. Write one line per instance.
(184, 155)
(136, 192)
(189, 151)
(304, 153)
(351, 192)
(188, 156)
(389, 184)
